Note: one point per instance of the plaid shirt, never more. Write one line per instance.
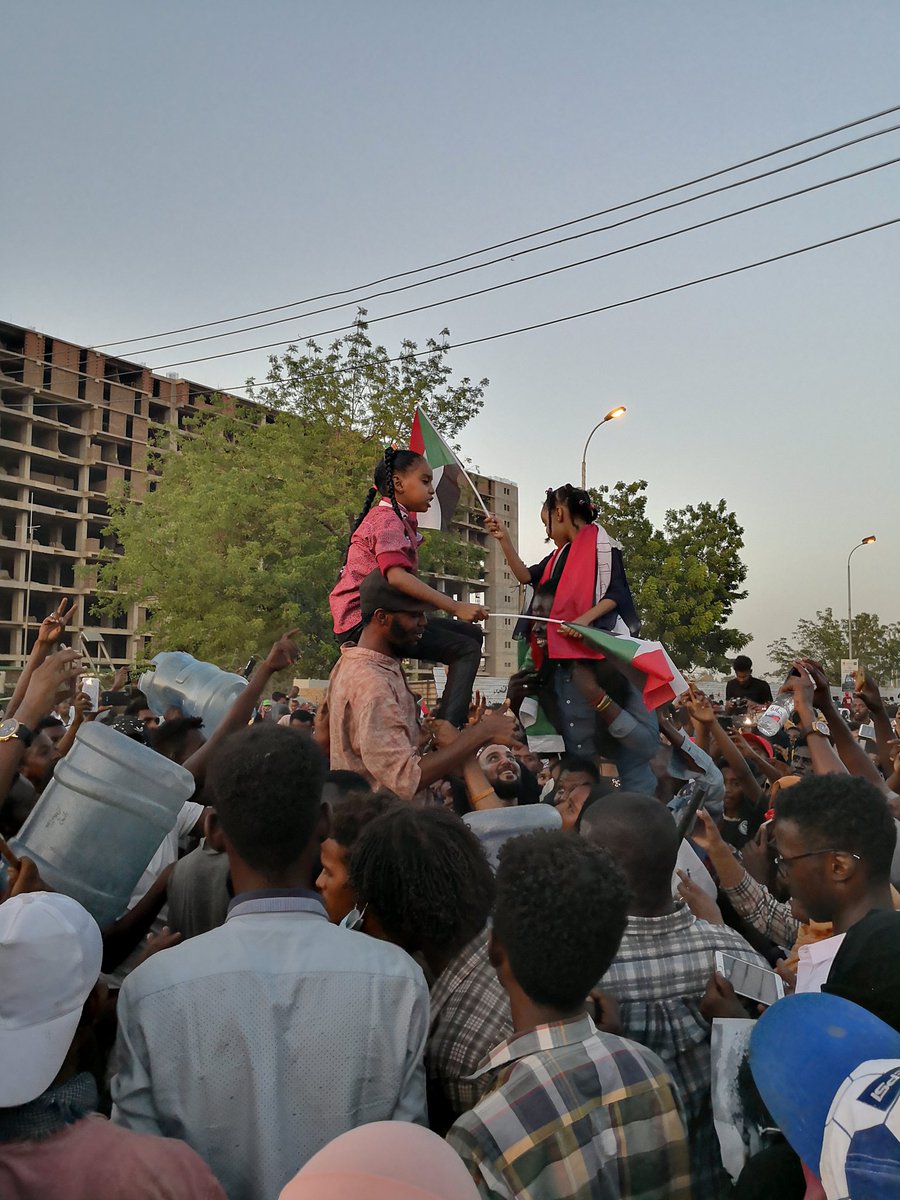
(759, 907)
(575, 1115)
(659, 977)
(469, 1017)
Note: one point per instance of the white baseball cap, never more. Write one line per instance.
(50, 956)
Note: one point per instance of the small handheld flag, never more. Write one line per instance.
(448, 471)
(664, 682)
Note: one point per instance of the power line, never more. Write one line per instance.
(352, 367)
(543, 274)
(359, 300)
(513, 241)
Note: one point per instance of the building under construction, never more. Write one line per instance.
(74, 423)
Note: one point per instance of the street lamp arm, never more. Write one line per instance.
(586, 444)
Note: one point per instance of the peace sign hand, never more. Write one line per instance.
(54, 626)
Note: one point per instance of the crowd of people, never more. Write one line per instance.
(387, 952)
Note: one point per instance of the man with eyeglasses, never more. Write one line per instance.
(835, 838)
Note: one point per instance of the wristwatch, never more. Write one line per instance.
(11, 728)
(820, 725)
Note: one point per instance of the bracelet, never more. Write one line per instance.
(478, 799)
(604, 703)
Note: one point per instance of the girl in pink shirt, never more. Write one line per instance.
(386, 538)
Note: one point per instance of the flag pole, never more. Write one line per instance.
(474, 488)
(461, 467)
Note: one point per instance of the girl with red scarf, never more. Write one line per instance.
(586, 577)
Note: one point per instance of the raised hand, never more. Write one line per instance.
(53, 627)
(56, 672)
(822, 694)
(698, 705)
(284, 652)
(477, 709)
(869, 694)
(801, 685)
(495, 527)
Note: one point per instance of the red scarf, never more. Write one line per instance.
(576, 593)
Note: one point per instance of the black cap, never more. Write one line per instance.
(375, 592)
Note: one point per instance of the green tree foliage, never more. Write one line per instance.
(877, 646)
(246, 531)
(686, 576)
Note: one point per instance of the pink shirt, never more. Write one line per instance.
(383, 540)
(96, 1160)
(373, 721)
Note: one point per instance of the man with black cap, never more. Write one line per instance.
(373, 716)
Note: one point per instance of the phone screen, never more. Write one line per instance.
(756, 983)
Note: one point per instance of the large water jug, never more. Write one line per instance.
(101, 819)
(198, 688)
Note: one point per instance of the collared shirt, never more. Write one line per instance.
(259, 1042)
(659, 977)
(814, 963)
(575, 1114)
(469, 1017)
(373, 721)
(382, 541)
(758, 906)
(66, 1151)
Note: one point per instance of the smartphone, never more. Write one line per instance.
(248, 670)
(90, 685)
(696, 791)
(867, 732)
(756, 983)
(726, 722)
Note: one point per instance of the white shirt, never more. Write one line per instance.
(259, 1042)
(814, 963)
(187, 818)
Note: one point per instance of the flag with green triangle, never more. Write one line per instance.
(663, 681)
(448, 472)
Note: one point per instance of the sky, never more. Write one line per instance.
(183, 162)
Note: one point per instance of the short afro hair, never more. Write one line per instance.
(578, 763)
(355, 810)
(843, 812)
(266, 786)
(561, 910)
(423, 874)
(742, 663)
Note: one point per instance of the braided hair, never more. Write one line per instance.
(576, 500)
(394, 461)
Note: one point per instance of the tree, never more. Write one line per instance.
(246, 531)
(686, 577)
(876, 646)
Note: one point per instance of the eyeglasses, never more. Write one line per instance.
(783, 863)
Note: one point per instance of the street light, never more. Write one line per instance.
(867, 541)
(613, 415)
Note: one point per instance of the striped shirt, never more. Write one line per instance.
(575, 1115)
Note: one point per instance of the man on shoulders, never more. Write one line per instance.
(373, 725)
(259, 1042)
(745, 688)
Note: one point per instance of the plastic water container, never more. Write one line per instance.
(101, 819)
(200, 689)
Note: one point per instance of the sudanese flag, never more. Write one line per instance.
(448, 471)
